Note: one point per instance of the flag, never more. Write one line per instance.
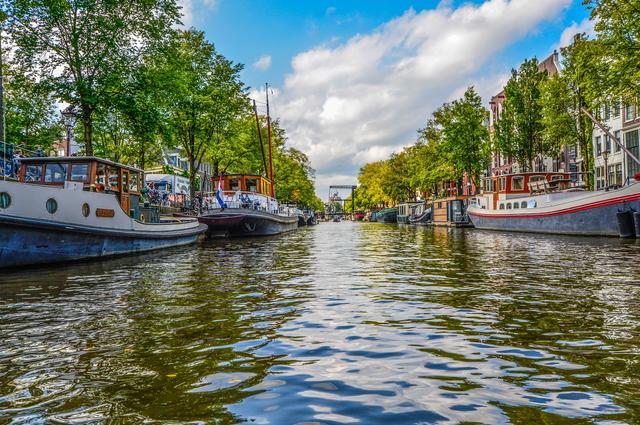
(219, 194)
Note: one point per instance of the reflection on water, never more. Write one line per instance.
(341, 323)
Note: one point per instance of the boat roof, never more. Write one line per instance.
(46, 159)
(243, 175)
(534, 173)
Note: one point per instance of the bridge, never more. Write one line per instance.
(343, 187)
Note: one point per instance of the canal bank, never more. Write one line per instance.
(337, 323)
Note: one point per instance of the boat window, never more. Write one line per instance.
(235, 184)
(503, 184)
(112, 172)
(5, 200)
(80, 172)
(517, 183)
(33, 174)
(534, 179)
(86, 210)
(516, 205)
(531, 203)
(509, 206)
(101, 181)
(133, 182)
(55, 173)
(501, 206)
(523, 204)
(52, 206)
(554, 178)
(252, 185)
(125, 181)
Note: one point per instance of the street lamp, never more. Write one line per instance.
(605, 157)
(69, 117)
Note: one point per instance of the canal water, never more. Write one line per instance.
(342, 323)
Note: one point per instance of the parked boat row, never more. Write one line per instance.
(538, 202)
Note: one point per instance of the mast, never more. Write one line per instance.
(264, 160)
(2, 111)
(273, 183)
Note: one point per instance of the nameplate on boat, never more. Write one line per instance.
(103, 212)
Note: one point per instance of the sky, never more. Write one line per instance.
(352, 81)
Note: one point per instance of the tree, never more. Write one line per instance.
(207, 96)
(465, 136)
(31, 117)
(562, 98)
(80, 48)
(519, 129)
(614, 56)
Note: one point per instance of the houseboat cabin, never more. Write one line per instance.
(408, 210)
(244, 183)
(505, 192)
(92, 173)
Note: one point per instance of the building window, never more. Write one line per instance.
(631, 142)
(598, 146)
(607, 143)
(629, 112)
(615, 109)
(611, 169)
(517, 183)
(618, 178)
(607, 112)
(503, 184)
(617, 145)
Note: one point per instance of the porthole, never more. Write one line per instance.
(5, 200)
(86, 210)
(52, 206)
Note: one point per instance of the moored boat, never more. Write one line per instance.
(551, 203)
(71, 208)
(387, 215)
(245, 209)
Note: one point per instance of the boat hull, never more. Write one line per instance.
(596, 219)
(246, 223)
(23, 243)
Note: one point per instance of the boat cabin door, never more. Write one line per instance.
(124, 191)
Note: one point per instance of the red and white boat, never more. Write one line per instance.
(551, 203)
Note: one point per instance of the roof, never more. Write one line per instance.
(46, 159)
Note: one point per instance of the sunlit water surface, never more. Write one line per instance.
(342, 323)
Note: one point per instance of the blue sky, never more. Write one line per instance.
(384, 46)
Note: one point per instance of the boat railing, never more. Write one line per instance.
(244, 200)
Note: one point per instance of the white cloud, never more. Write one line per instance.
(586, 26)
(360, 100)
(330, 10)
(263, 63)
(189, 18)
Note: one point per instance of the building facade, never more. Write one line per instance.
(566, 161)
(612, 166)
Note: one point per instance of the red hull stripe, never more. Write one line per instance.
(597, 204)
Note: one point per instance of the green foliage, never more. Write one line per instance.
(81, 49)
(519, 129)
(613, 57)
(31, 117)
(465, 136)
(205, 98)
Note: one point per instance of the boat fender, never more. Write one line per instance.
(626, 226)
(636, 220)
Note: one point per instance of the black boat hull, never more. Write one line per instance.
(238, 223)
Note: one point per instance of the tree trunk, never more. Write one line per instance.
(192, 177)
(87, 123)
